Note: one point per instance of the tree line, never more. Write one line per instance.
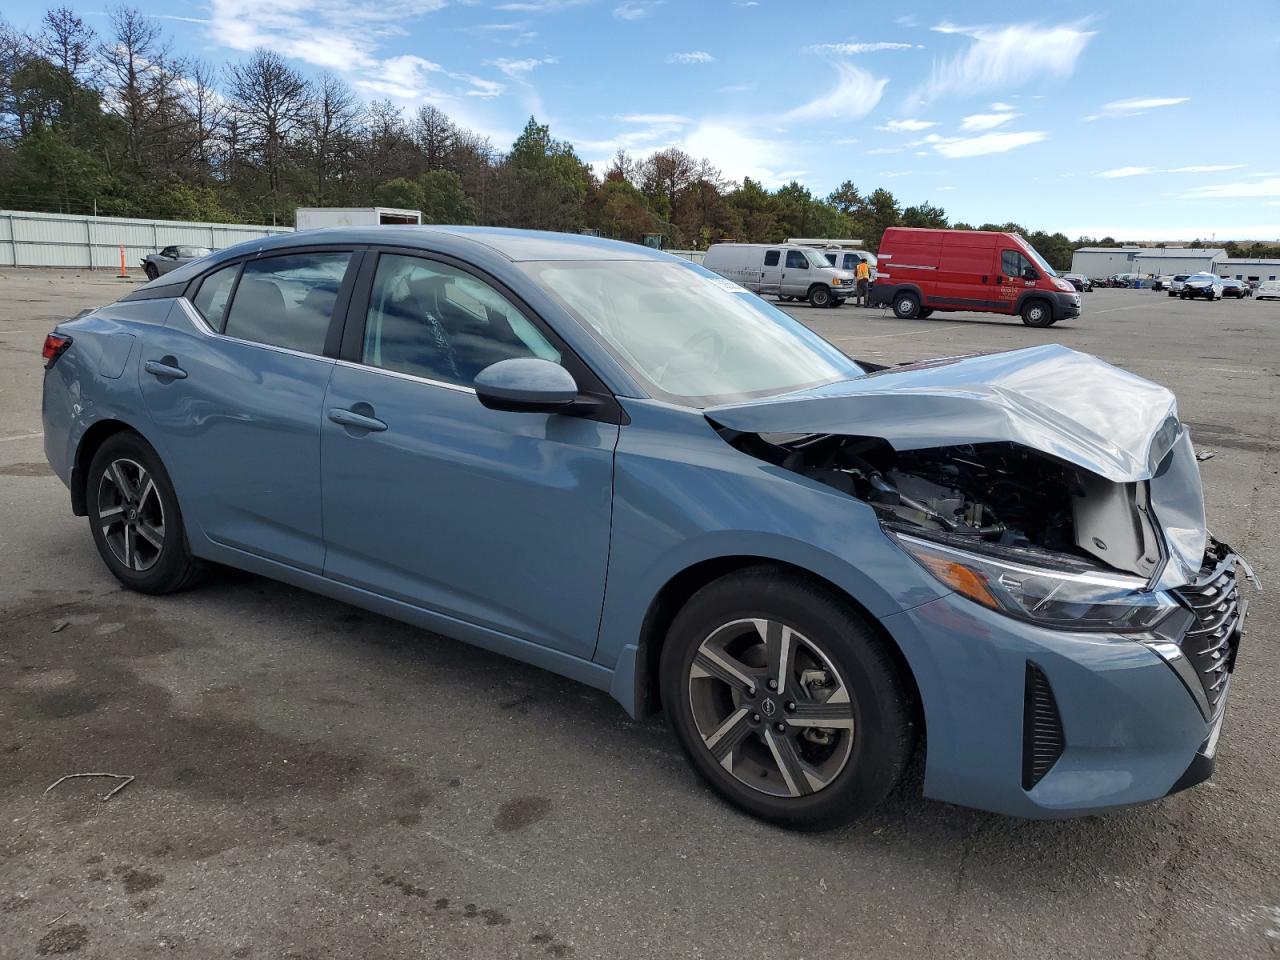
(119, 125)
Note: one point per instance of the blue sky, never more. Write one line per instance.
(1148, 120)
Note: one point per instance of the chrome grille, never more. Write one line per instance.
(1210, 645)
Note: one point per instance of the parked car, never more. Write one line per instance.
(1160, 283)
(1201, 285)
(1175, 285)
(1079, 281)
(1235, 288)
(923, 270)
(171, 258)
(1267, 290)
(813, 564)
(788, 271)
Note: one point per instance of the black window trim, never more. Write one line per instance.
(601, 405)
(333, 334)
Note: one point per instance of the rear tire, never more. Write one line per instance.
(135, 519)
(906, 305)
(925, 312)
(1037, 313)
(819, 296)
(764, 755)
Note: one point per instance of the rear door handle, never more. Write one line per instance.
(166, 369)
(356, 421)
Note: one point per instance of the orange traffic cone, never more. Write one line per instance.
(123, 274)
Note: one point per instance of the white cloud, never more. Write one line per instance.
(518, 69)
(946, 188)
(1002, 57)
(854, 94)
(1119, 172)
(906, 126)
(692, 56)
(1269, 187)
(635, 9)
(957, 147)
(907, 20)
(540, 6)
(850, 49)
(1205, 168)
(882, 151)
(1001, 107)
(986, 121)
(1136, 105)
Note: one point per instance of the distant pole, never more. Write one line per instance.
(124, 273)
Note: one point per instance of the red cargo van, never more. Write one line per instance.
(921, 271)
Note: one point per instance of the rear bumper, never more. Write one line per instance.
(1130, 730)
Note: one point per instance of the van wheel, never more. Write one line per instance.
(785, 299)
(819, 296)
(925, 312)
(1036, 313)
(906, 305)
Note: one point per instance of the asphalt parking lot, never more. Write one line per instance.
(315, 781)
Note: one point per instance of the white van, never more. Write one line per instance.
(787, 271)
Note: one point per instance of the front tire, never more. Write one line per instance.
(1037, 313)
(135, 519)
(786, 700)
(151, 271)
(819, 296)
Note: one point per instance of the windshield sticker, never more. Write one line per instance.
(729, 285)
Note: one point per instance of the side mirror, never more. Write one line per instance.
(526, 385)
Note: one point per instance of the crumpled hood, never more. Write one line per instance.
(1049, 398)
(1058, 401)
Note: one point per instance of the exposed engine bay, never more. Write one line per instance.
(1003, 495)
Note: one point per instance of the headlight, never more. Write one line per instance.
(835, 281)
(1052, 598)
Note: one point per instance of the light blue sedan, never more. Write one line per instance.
(613, 464)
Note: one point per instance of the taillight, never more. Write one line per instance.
(55, 345)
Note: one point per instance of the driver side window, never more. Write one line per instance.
(1012, 263)
(796, 260)
(430, 320)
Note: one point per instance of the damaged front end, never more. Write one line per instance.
(1043, 484)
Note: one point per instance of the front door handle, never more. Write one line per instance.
(166, 369)
(354, 420)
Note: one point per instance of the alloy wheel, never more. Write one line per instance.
(771, 707)
(131, 514)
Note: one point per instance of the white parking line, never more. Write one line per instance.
(1138, 306)
(21, 436)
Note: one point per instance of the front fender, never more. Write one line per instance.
(683, 496)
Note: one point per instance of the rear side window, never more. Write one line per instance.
(215, 290)
(796, 260)
(288, 301)
(771, 258)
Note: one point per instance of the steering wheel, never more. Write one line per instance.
(706, 341)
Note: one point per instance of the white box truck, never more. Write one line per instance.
(311, 218)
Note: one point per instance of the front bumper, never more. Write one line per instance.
(1066, 305)
(1129, 729)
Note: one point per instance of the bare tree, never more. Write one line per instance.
(435, 135)
(270, 100)
(665, 174)
(135, 61)
(207, 110)
(332, 120)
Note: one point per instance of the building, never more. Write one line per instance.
(1103, 261)
(1168, 261)
(1245, 268)
(1144, 261)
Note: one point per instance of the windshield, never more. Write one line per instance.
(817, 258)
(688, 335)
(1041, 262)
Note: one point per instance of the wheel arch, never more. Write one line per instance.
(1031, 296)
(678, 590)
(90, 442)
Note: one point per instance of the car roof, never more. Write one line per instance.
(513, 244)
